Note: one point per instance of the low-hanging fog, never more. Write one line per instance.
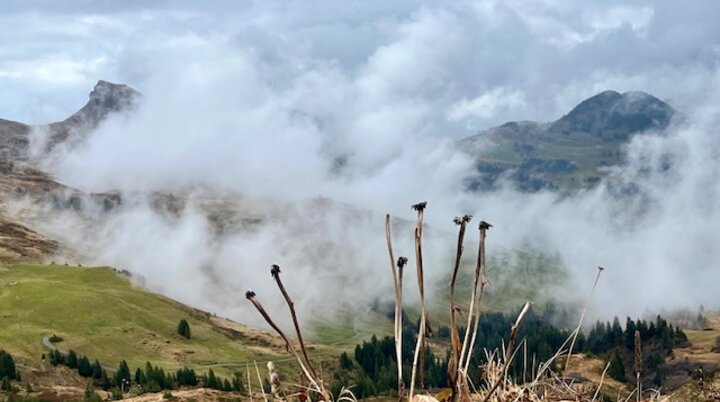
(321, 122)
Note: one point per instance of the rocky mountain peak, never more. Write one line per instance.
(104, 99)
(614, 116)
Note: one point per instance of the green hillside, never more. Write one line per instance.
(99, 313)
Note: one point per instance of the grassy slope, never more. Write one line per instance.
(588, 154)
(703, 342)
(101, 314)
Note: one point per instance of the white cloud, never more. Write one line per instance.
(488, 104)
(638, 18)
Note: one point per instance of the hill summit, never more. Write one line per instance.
(612, 116)
(567, 153)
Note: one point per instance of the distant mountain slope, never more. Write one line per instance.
(567, 153)
(19, 176)
(13, 140)
(22, 179)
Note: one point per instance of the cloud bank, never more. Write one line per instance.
(279, 104)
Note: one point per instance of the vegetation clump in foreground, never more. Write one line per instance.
(483, 361)
(372, 366)
(492, 382)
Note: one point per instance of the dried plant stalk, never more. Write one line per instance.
(397, 285)
(260, 382)
(454, 376)
(247, 366)
(638, 363)
(250, 295)
(276, 386)
(275, 272)
(508, 351)
(602, 379)
(582, 317)
(474, 316)
(420, 207)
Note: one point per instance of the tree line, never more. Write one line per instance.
(150, 379)
(617, 345)
(373, 367)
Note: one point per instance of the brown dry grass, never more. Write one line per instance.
(20, 243)
(591, 368)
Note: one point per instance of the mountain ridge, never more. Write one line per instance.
(22, 179)
(570, 152)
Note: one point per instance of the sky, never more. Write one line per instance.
(478, 63)
(360, 103)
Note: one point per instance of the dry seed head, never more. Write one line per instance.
(275, 271)
(420, 206)
(462, 219)
(249, 294)
(401, 262)
(638, 352)
(484, 225)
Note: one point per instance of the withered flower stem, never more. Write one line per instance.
(420, 206)
(582, 318)
(275, 272)
(638, 364)
(420, 345)
(250, 295)
(397, 285)
(508, 351)
(473, 314)
(455, 378)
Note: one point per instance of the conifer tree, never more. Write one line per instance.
(72, 359)
(123, 373)
(7, 366)
(184, 329)
(617, 369)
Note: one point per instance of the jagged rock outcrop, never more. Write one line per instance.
(106, 98)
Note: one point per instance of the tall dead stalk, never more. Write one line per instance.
(250, 295)
(454, 376)
(397, 284)
(582, 317)
(602, 379)
(474, 316)
(419, 346)
(508, 351)
(275, 272)
(638, 363)
(262, 389)
(247, 366)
